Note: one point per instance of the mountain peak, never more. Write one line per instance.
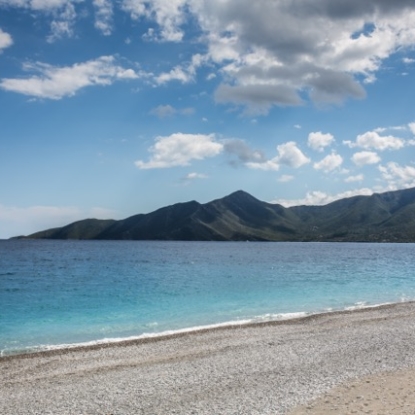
(240, 216)
(240, 195)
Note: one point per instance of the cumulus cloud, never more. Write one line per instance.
(412, 127)
(329, 163)
(288, 154)
(103, 16)
(317, 197)
(37, 5)
(398, 176)
(352, 179)
(338, 44)
(365, 157)
(54, 82)
(64, 17)
(372, 140)
(5, 40)
(61, 13)
(340, 47)
(318, 140)
(168, 14)
(257, 98)
(182, 73)
(180, 149)
(194, 176)
(241, 153)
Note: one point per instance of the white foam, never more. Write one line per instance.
(141, 336)
(235, 323)
(362, 304)
(114, 340)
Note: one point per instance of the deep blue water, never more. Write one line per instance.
(65, 292)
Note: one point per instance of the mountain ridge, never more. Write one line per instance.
(381, 217)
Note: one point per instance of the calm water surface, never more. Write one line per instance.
(54, 293)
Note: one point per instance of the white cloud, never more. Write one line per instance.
(329, 163)
(5, 40)
(412, 127)
(264, 64)
(316, 197)
(318, 140)
(285, 178)
(352, 179)
(396, 175)
(267, 165)
(61, 13)
(168, 14)
(54, 82)
(182, 73)
(365, 157)
(15, 221)
(59, 29)
(175, 74)
(372, 140)
(408, 60)
(194, 175)
(179, 149)
(103, 16)
(268, 64)
(288, 154)
(37, 5)
(63, 22)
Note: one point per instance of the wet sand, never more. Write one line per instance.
(349, 362)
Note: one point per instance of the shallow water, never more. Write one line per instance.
(56, 293)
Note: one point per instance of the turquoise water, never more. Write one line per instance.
(55, 293)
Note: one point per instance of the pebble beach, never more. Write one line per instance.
(348, 362)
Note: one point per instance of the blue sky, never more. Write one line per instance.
(112, 108)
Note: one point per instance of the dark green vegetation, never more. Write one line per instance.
(386, 217)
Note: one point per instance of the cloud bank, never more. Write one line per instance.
(340, 48)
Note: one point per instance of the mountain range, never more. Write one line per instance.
(385, 217)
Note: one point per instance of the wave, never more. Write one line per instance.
(170, 333)
(269, 317)
(165, 333)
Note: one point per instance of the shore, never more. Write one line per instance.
(340, 362)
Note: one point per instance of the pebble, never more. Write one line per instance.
(221, 371)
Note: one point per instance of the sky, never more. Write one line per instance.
(113, 108)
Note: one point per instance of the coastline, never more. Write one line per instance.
(165, 335)
(258, 368)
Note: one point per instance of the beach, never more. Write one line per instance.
(344, 362)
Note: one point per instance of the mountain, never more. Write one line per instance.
(386, 217)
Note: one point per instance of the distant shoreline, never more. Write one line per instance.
(239, 216)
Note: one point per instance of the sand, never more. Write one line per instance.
(382, 394)
(350, 362)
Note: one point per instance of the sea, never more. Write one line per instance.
(56, 294)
